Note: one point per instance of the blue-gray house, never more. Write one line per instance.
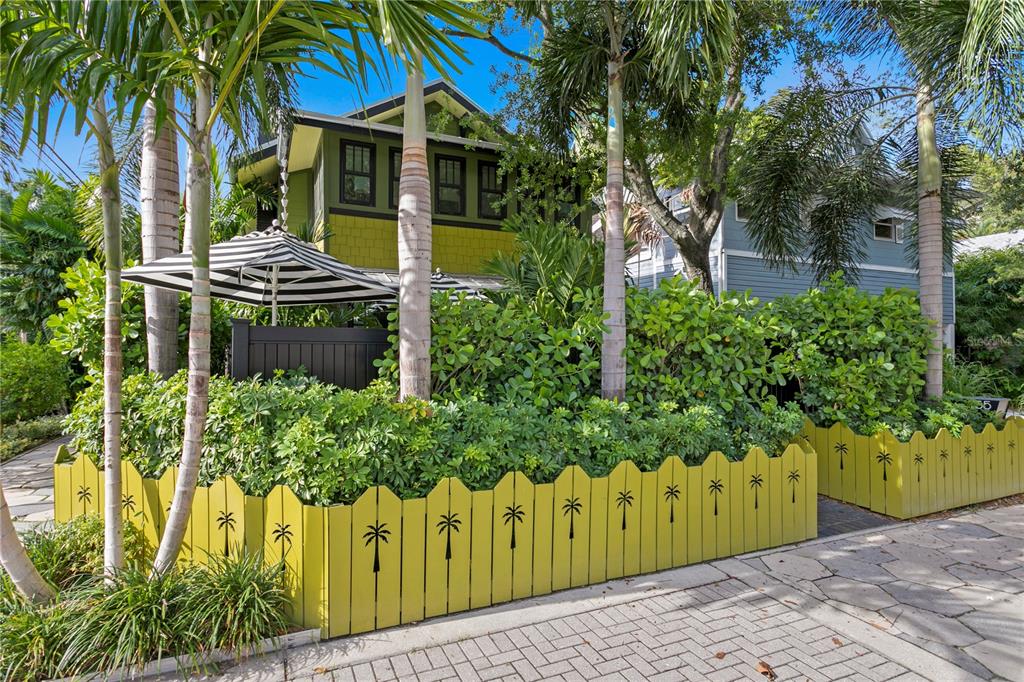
(736, 266)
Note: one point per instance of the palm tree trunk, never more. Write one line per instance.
(110, 199)
(158, 199)
(414, 243)
(929, 220)
(15, 560)
(613, 346)
(199, 329)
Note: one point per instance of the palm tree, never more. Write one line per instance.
(919, 460)
(841, 449)
(571, 508)
(967, 454)
(884, 458)
(282, 533)
(756, 481)
(217, 51)
(159, 204)
(624, 499)
(1011, 446)
(16, 561)
(594, 51)
(671, 495)
(793, 478)
(447, 524)
(513, 515)
(715, 489)
(943, 455)
(378, 533)
(414, 242)
(961, 64)
(56, 55)
(990, 450)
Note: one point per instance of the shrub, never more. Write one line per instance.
(33, 381)
(857, 357)
(329, 444)
(21, 436)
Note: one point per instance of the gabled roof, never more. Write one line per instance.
(440, 90)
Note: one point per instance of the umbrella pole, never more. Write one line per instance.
(273, 297)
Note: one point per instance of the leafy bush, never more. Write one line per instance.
(18, 437)
(682, 346)
(33, 381)
(686, 346)
(857, 357)
(329, 445)
(990, 315)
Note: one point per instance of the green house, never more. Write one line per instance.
(344, 172)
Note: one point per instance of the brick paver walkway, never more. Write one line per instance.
(721, 631)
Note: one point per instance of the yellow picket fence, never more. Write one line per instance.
(382, 561)
(923, 475)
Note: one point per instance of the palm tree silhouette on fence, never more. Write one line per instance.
(715, 489)
(793, 478)
(447, 524)
(967, 453)
(283, 533)
(842, 449)
(756, 481)
(919, 460)
(624, 499)
(128, 503)
(513, 514)
(1011, 446)
(84, 494)
(226, 522)
(943, 455)
(990, 449)
(671, 495)
(885, 459)
(376, 533)
(572, 508)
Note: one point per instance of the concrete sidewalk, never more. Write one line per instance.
(28, 484)
(935, 600)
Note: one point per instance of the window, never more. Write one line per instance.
(357, 168)
(394, 175)
(889, 230)
(450, 187)
(492, 191)
(742, 213)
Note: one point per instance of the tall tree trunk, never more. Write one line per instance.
(613, 345)
(929, 220)
(15, 560)
(186, 232)
(414, 242)
(199, 328)
(110, 199)
(158, 199)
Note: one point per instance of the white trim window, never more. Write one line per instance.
(742, 213)
(888, 230)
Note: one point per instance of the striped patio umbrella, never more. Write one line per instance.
(274, 268)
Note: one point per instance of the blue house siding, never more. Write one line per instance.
(744, 272)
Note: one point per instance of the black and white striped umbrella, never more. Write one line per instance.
(274, 268)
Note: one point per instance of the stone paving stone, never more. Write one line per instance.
(858, 570)
(926, 597)
(795, 565)
(987, 578)
(1005, 661)
(931, 626)
(920, 573)
(856, 593)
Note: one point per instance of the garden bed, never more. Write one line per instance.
(382, 560)
(922, 475)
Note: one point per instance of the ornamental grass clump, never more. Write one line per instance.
(234, 602)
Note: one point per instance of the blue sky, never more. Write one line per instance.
(329, 94)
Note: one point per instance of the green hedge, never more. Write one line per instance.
(328, 444)
(33, 381)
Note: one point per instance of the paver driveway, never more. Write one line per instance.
(937, 600)
(28, 484)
